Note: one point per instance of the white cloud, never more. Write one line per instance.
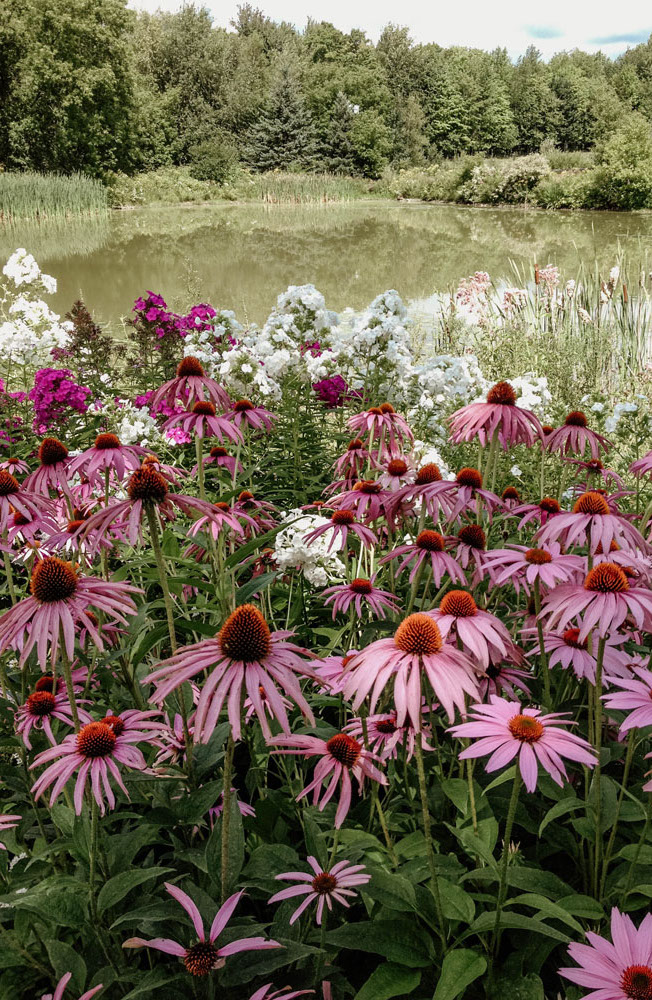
(556, 26)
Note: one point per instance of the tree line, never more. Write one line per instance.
(88, 85)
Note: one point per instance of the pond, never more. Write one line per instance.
(241, 256)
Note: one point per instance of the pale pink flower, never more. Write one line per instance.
(540, 512)
(574, 435)
(499, 416)
(521, 566)
(8, 822)
(52, 473)
(340, 757)
(367, 499)
(323, 887)
(243, 412)
(592, 523)
(40, 708)
(568, 650)
(17, 466)
(16, 500)
(204, 421)
(219, 457)
(191, 383)
(108, 455)
(385, 736)
(341, 523)
(264, 993)
(505, 730)
(635, 697)
(604, 601)
(428, 548)
(352, 462)
(416, 647)
(618, 971)
(244, 655)
(482, 635)
(642, 466)
(95, 752)
(504, 678)
(384, 424)
(397, 473)
(358, 594)
(204, 956)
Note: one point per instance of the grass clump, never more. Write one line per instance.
(30, 195)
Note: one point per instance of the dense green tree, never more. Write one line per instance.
(284, 136)
(534, 104)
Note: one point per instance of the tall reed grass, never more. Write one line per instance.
(49, 196)
(308, 189)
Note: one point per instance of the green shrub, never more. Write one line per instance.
(504, 180)
(623, 178)
(563, 190)
(566, 159)
(213, 160)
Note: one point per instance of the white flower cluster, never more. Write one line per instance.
(441, 381)
(532, 392)
(375, 346)
(425, 453)
(619, 411)
(319, 566)
(132, 424)
(22, 269)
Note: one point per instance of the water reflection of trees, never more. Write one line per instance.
(241, 256)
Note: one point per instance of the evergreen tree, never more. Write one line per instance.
(284, 136)
(338, 148)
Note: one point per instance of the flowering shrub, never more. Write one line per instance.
(333, 700)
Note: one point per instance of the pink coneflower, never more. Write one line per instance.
(69, 539)
(385, 424)
(60, 989)
(190, 384)
(635, 697)
(329, 672)
(358, 594)
(243, 412)
(244, 654)
(504, 678)
(96, 750)
(520, 565)
(416, 646)
(8, 822)
(428, 488)
(25, 530)
(204, 956)
(146, 489)
(642, 466)
(568, 650)
(261, 511)
(466, 495)
(385, 736)
(498, 415)
(634, 565)
(471, 549)
(427, 548)
(268, 992)
(220, 458)
(352, 462)
(341, 523)
(505, 730)
(594, 468)
(481, 634)
(40, 708)
(221, 516)
(605, 600)
(172, 742)
(216, 811)
(511, 497)
(618, 971)
(397, 473)
(539, 513)
(591, 523)
(61, 598)
(367, 499)
(14, 499)
(203, 421)
(341, 756)
(17, 466)
(171, 473)
(108, 454)
(574, 435)
(322, 887)
(52, 472)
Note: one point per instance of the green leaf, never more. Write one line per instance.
(400, 941)
(393, 891)
(117, 887)
(154, 979)
(560, 809)
(64, 959)
(244, 593)
(583, 906)
(515, 921)
(460, 968)
(245, 967)
(389, 981)
(457, 790)
(456, 903)
(545, 906)
(269, 860)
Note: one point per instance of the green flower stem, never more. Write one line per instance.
(629, 756)
(597, 770)
(93, 859)
(427, 830)
(415, 587)
(227, 777)
(543, 658)
(70, 689)
(502, 884)
(10, 577)
(200, 466)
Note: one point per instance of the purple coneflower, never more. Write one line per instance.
(8, 822)
(322, 887)
(360, 592)
(604, 600)
(96, 750)
(243, 412)
(15, 500)
(574, 435)
(352, 462)
(397, 473)
(505, 730)
(635, 697)
(385, 736)
(341, 756)
(221, 458)
(341, 523)
(204, 956)
(518, 564)
(367, 499)
(17, 466)
(40, 708)
(540, 512)
(594, 468)
(59, 602)
(203, 421)
(416, 646)
(499, 416)
(385, 424)
(268, 992)
(108, 455)
(642, 466)
(60, 989)
(618, 971)
(481, 635)
(471, 549)
(568, 650)
(504, 678)
(427, 548)
(245, 654)
(190, 384)
(52, 472)
(591, 523)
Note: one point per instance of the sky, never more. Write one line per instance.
(555, 26)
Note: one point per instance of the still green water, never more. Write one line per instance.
(241, 256)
